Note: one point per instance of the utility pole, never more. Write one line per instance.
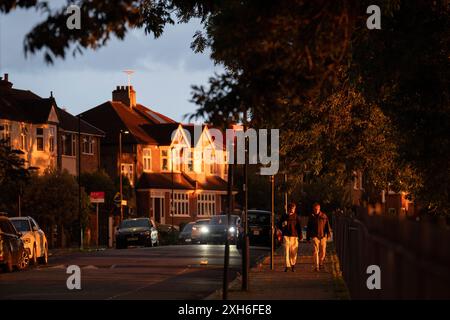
(285, 193)
(171, 202)
(120, 176)
(246, 245)
(226, 262)
(79, 182)
(272, 222)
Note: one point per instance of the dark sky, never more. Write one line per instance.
(165, 68)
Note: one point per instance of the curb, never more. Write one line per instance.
(217, 294)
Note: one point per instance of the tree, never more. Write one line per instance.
(13, 176)
(53, 199)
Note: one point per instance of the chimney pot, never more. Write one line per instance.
(6, 77)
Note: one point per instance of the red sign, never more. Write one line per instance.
(97, 197)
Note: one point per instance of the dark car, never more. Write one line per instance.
(218, 229)
(200, 231)
(138, 231)
(12, 249)
(185, 235)
(259, 228)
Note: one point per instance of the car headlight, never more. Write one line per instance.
(232, 230)
(204, 230)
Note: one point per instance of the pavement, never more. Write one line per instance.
(303, 284)
(165, 272)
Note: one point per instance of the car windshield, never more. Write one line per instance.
(134, 223)
(222, 220)
(258, 218)
(21, 225)
(202, 222)
(188, 227)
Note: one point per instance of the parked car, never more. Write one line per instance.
(137, 231)
(12, 249)
(259, 229)
(200, 231)
(217, 231)
(33, 237)
(185, 235)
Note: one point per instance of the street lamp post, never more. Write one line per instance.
(171, 202)
(246, 243)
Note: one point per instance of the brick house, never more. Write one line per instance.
(153, 147)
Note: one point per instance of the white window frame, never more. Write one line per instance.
(180, 204)
(23, 136)
(51, 139)
(127, 170)
(206, 204)
(38, 137)
(88, 141)
(147, 159)
(6, 133)
(162, 157)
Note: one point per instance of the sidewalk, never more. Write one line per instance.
(304, 283)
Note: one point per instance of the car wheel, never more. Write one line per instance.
(9, 267)
(33, 259)
(44, 258)
(24, 261)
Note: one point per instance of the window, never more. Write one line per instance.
(40, 139)
(164, 160)
(206, 204)
(127, 171)
(23, 137)
(5, 133)
(88, 145)
(175, 159)
(190, 161)
(51, 140)
(69, 145)
(147, 159)
(180, 204)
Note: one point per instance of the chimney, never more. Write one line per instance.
(5, 82)
(125, 94)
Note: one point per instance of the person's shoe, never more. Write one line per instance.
(316, 269)
(293, 269)
(286, 269)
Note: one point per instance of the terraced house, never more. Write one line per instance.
(46, 135)
(162, 159)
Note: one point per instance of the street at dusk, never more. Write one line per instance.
(170, 272)
(190, 154)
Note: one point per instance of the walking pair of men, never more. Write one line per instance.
(318, 230)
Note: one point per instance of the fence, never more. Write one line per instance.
(414, 257)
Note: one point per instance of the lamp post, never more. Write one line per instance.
(246, 243)
(120, 171)
(171, 201)
(79, 181)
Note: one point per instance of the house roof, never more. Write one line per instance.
(213, 183)
(69, 122)
(162, 133)
(164, 181)
(23, 105)
(113, 116)
(180, 181)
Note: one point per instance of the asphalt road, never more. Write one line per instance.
(165, 272)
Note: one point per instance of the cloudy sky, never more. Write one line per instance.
(165, 68)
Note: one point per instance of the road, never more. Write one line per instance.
(165, 272)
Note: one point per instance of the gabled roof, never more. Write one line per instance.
(24, 105)
(113, 116)
(69, 122)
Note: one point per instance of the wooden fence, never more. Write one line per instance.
(413, 256)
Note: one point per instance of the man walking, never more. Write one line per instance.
(292, 230)
(319, 231)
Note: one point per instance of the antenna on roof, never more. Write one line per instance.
(129, 73)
